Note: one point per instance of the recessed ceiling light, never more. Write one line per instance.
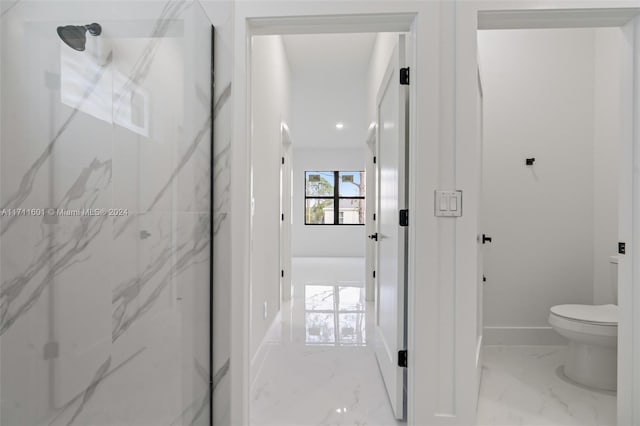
(339, 125)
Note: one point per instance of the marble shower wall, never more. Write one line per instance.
(105, 284)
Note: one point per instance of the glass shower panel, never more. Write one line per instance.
(105, 190)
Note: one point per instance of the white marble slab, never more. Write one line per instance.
(521, 385)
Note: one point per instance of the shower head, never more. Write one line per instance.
(75, 36)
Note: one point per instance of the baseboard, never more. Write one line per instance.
(522, 336)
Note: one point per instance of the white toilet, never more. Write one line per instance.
(592, 331)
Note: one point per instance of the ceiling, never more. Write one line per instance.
(327, 53)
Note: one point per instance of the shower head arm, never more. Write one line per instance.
(94, 29)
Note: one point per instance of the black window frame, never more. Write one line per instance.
(336, 197)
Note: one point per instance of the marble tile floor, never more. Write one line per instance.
(319, 367)
(522, 385)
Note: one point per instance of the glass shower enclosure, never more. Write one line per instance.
(105, 213)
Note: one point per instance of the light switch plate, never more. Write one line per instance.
(447, 203)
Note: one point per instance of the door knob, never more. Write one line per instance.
(485, 239)
(374, 237)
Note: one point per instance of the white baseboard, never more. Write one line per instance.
(522, 336)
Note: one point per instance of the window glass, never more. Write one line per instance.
(352, 211)
(320, 184)
(319, 211)
(351, 184)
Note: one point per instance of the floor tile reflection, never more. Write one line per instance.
(335, 314)
(319, 367)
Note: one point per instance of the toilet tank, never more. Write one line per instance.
(613, 276)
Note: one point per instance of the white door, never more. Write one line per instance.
(390, 275)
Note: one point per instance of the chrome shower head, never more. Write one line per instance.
(75, 36)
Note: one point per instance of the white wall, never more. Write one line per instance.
(539, 101)
(324, 241)
(271, 107)
(319, 101)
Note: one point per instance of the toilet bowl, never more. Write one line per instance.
(592, 331)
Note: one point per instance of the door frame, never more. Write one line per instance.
(364, 22)
(471, 19)
(286, 209)
(442, 335)
(371, 248)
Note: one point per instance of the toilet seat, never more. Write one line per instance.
(598, 320)
(604, 315)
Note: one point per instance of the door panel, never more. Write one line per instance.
(390, 303)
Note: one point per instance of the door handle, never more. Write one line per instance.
(485, 239)
(374, 237)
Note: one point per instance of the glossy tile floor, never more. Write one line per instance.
(521, 385)
(319, 367)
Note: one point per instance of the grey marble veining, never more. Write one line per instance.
(193, 414)
(221, 373)
(102, 373)
(220, 166)
(7, 9)
(127, 306)
(222, 100)
(171, 10)
(184, 160)
(26, 184)
(56, 256)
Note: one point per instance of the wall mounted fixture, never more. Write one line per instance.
(529, 161)
(75, 36)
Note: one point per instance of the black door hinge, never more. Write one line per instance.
(374, 216)
(374, 160)
(282, 160)
(622, 248)
(374, 274)
(282, 273)
(404, 217)
(404, 76)
(282, 216)
(402, 359)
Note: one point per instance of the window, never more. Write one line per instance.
(334, 198)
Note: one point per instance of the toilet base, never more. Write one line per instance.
(592, 365)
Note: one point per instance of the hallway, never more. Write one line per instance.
(318, 365)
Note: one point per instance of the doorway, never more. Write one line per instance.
(312, 327)
(552, 213)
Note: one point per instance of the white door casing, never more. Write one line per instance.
(286, 212)
(372, 211)
(481, 276)
(390, 334)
